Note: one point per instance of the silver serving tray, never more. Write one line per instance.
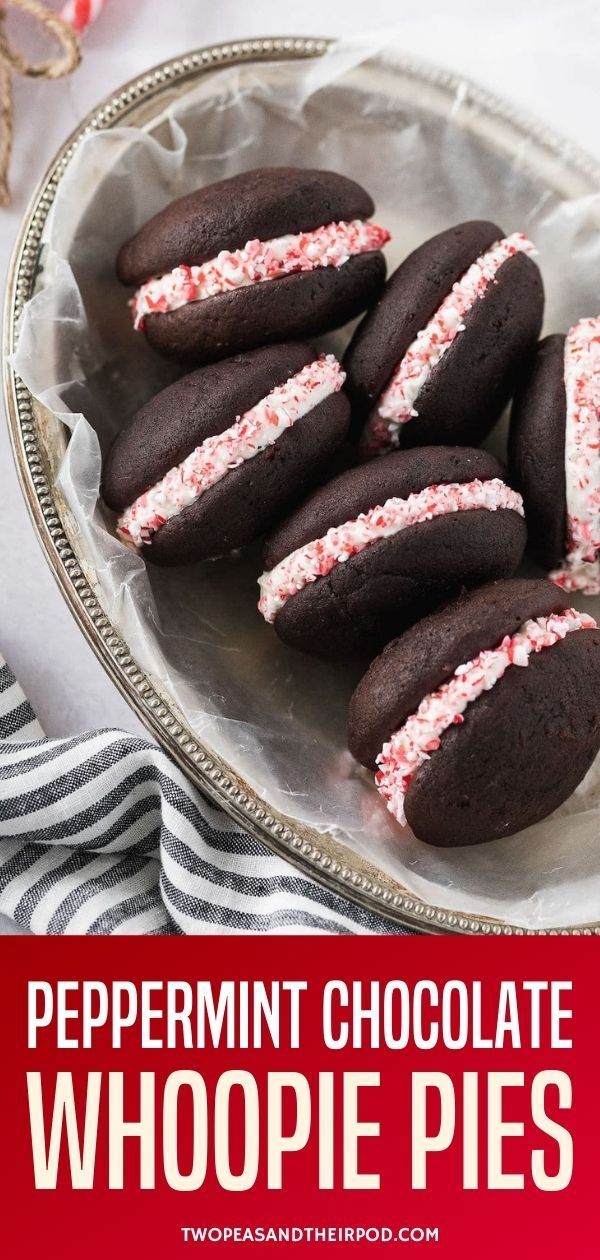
(39, 443)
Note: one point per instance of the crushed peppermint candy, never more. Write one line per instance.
(328, 246)
(81, 13)
(212, 459)
(317, 558)
(421, 735)
(397, 404)
(581, 568)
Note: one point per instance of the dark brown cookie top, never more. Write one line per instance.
(366, 487)
(255, 205)
(164, 431)
(537, 449)
(427, 655)
(410, 298)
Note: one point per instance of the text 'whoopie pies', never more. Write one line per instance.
(381, 544)
(268, 255)
(467, 748)
(555, 452)
(213, 460)
(435, 360)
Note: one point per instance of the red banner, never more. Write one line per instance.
(160, 1094)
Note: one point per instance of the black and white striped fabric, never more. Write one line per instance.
(102, 834)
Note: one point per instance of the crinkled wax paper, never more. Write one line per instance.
(276, 716)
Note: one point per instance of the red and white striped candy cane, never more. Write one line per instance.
(81, 13)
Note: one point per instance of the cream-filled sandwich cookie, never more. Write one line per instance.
(265, 256)
(210, 462)
(378, 546)
(555, 451)
(437, 357)
(485, 717)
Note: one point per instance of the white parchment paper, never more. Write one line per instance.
(278, 717)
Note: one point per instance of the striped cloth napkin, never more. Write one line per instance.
(103, 834)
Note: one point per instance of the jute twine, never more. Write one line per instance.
(13, 62)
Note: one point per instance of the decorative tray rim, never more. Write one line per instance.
(321, 857)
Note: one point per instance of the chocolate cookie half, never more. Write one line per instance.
(266, 256)
(484, 718)
(380, 545)
(555, 454)
(437, 357)
(213, 460)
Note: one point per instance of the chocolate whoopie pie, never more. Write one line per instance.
(436, 358)
(555, 454)
(468, 744)
(379, 545)
(213, 460)
(266, 256)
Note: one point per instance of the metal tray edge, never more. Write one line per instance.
(342, 873)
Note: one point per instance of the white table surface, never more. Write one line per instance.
(546, 61)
